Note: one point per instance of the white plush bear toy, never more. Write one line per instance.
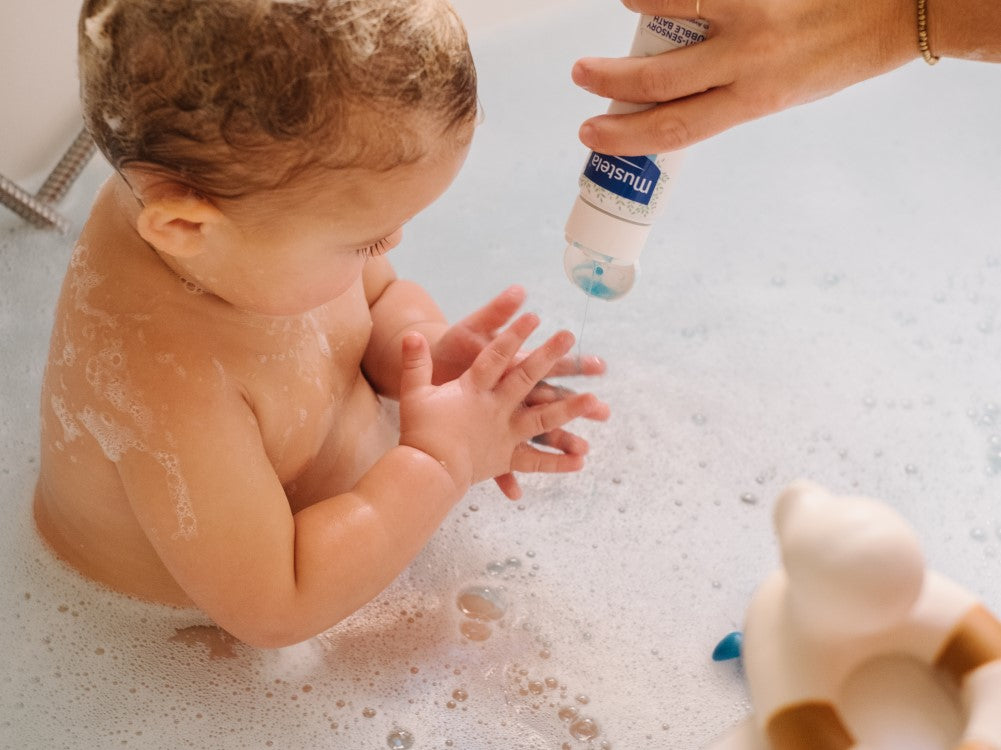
(853, 587)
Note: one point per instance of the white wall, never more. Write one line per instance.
(39, 113)
(480, 15)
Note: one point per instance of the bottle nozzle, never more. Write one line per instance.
(598, 275)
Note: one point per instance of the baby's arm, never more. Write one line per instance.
(204, 490)
(397, 307)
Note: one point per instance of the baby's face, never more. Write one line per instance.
(309, 245)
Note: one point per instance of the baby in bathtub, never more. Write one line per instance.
(213, 429)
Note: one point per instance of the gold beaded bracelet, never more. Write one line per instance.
(923, 33)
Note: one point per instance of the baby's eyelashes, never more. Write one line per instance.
(376, 248)
(383, 246)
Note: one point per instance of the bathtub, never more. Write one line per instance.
(822, 299)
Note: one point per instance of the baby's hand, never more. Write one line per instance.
(455, 351)
(559, 439)
(478, 425)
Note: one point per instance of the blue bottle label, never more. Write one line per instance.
(632, 178)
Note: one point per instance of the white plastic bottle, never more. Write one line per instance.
(620, 197)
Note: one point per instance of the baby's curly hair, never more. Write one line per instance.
(231, 97)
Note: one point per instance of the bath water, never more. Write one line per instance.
(400, 739)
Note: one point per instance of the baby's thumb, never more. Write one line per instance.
(417, 366)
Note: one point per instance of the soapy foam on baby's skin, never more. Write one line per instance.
(115, 439)
(127, 423)
(187, 524)
(71, 430)
(83, 280)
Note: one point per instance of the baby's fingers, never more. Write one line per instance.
(496, 312)
(562, 441)
(546, 393)
(490, 364)
(521, 380)
(508, 484)
(545, 418)
(417, 366)
(572, 365)
(529, 460)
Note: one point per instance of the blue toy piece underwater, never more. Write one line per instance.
(729, 647)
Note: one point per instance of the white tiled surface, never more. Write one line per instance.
(822, 299)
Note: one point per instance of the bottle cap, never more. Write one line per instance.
(597, 275)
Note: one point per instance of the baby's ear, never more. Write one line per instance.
(178, 222)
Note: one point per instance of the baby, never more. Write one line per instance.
(213, 432)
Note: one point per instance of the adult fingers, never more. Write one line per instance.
(417, 365)
(707, 9)
(659, 78)
(666, 127)
(496, 357)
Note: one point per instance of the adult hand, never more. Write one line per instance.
(759, 57)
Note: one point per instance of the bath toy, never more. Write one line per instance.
(853, 588)
(729, 647)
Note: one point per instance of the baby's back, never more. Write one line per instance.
(136, 351)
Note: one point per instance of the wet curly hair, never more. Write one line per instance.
(231, 97)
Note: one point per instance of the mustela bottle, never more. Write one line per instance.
(620, 197)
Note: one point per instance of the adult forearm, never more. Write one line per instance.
(969, 29)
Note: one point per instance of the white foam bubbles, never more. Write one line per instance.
(114, 438)
(71, 430)
(187, 523)
(83, 280)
